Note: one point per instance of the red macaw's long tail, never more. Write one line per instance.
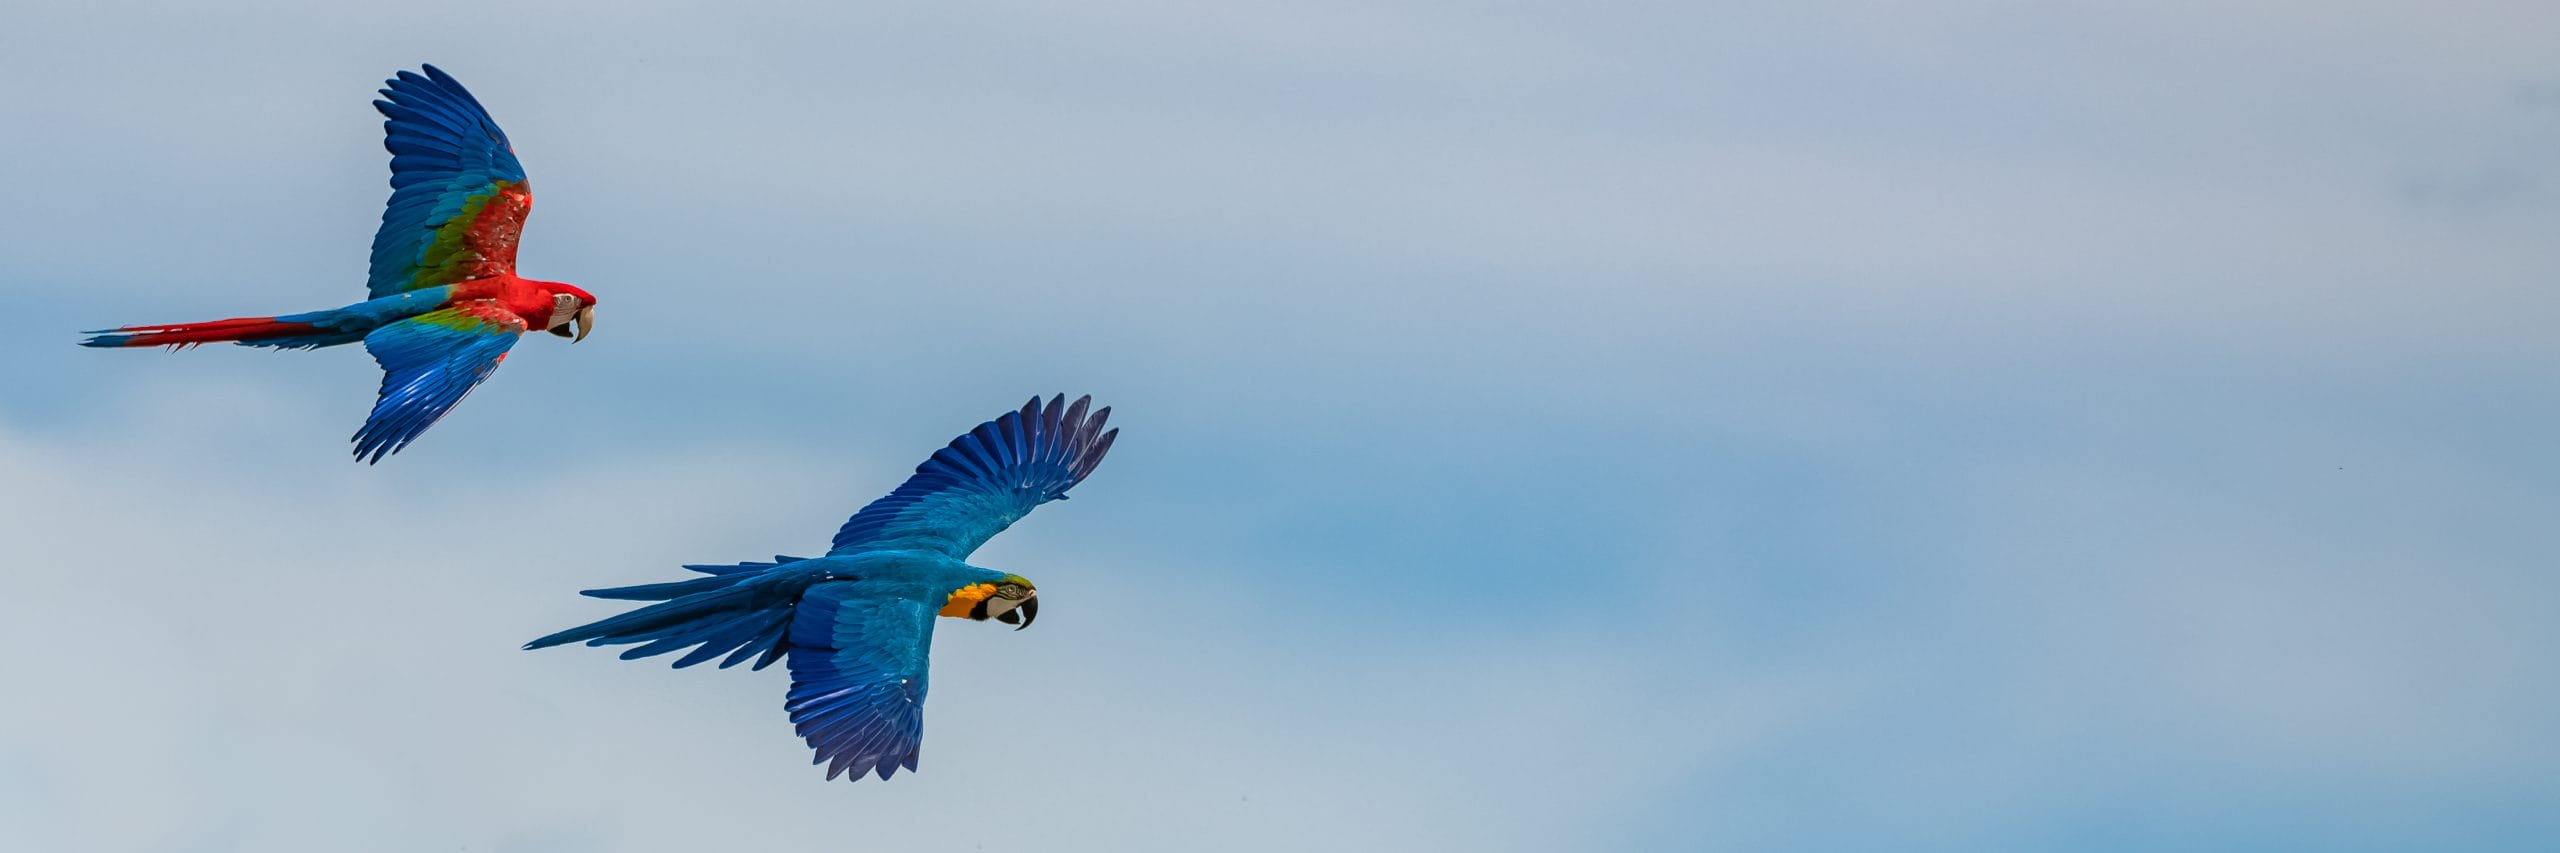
(290, 331)
(254, 331)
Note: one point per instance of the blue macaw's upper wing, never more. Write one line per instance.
(429, 362)
(458, 196)
(857, 661)
(985, 480)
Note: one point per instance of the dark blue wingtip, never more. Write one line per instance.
(451, 85)
(378, 449)
(372, 447)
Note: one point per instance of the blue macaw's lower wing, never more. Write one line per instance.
(429, 363)
(984, 481)
(857, 663)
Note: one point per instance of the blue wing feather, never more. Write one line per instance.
(429, 363)
(858, 678)
(446, 151)
(985, 480)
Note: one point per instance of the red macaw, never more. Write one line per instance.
(446, 302)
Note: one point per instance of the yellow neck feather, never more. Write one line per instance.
(967, 597)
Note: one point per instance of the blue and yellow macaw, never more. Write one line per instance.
(856, 624)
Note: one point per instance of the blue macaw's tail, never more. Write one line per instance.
(290, 331)
(727, 613)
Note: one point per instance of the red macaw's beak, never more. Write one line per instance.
(584, 320)
(1021, 615)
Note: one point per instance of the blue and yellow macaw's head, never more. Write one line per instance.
(1009, 599)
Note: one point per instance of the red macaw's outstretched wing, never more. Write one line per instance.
(458, 196)
(984, 481)
(429, 363)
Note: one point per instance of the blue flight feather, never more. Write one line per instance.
(429, 363)
(858, 678)
(984, 481)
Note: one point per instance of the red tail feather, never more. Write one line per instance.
(215, 331)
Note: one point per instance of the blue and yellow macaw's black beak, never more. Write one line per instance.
(1014, 604)
(1020, 615)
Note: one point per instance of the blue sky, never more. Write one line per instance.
(1781, 426)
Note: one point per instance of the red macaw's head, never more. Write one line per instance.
(570, 305)
(1010, 600)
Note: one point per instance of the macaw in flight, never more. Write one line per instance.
(855, 625)
(445, 302)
